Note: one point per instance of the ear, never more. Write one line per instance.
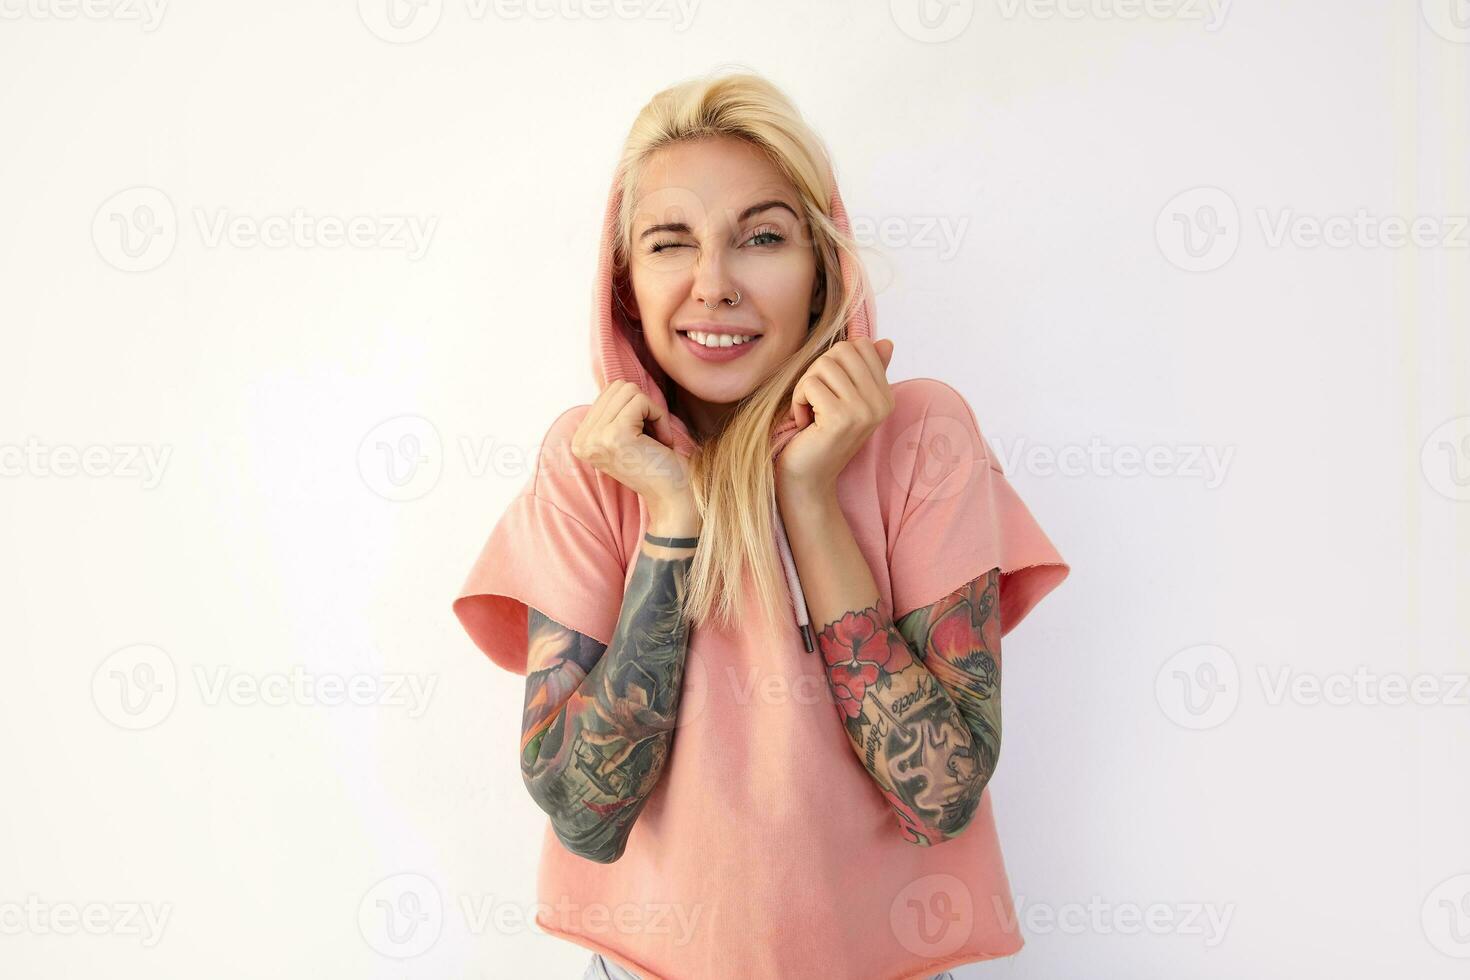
(819, 294)
(628, 299)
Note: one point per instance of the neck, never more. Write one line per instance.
(703, 418)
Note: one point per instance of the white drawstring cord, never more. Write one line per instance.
(798, 598)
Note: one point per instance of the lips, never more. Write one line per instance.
(720, 338)
(727, 349)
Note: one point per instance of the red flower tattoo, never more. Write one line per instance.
(858, 651)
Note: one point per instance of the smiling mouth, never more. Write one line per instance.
(716, 341)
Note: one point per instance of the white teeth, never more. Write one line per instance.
(718, 339)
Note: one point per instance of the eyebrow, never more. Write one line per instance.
(683, 229)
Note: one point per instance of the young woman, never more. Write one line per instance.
(757, 590)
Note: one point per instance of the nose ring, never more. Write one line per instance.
(732, 302)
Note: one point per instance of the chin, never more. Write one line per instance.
(718, 391)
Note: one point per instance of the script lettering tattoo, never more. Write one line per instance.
(907, 730)
(598, 721)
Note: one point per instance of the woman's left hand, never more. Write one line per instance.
(840, 400)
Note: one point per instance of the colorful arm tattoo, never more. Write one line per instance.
(598, 721)
(958, 639)
(908, 716)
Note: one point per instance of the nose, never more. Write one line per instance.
(712, 283)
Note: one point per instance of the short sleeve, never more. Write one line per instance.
(959, 516)
(553, 549)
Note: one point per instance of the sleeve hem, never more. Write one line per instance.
(1022, 587)
(539, 556)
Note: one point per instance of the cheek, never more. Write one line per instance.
(786, 298)
(786, 280)
(658, 297)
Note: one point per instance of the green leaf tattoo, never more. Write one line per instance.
(598, 720)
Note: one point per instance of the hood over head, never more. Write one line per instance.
(616, 357)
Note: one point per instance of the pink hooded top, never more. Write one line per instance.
(766, 850)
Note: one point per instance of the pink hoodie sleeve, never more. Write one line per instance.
(960, 515)
(554, 550)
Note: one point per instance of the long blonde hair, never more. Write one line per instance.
(732, 469)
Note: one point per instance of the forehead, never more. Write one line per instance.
(708, 179)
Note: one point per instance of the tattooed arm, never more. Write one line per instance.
(905, 726)
(958, 638)
(599, 721)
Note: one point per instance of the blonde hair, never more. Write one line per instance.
(733, 472)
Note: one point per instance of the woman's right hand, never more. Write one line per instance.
(612, 440)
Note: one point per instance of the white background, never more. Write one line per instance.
(335, 429)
